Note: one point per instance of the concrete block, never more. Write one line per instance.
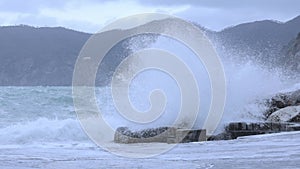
(162, 134)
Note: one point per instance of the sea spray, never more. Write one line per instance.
(248, 82)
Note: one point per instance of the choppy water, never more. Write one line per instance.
(34, 115)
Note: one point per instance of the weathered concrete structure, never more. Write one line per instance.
(244, 129)
(163, 135)
(186, 135)
(238, 129)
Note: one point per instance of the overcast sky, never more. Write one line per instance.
(91, 15)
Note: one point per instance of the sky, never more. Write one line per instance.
(91, 15)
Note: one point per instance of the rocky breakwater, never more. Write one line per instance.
(282, 115)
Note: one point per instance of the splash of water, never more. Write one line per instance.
(247, 84)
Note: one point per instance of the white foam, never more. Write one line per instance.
(43, 131)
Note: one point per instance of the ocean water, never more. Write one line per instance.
(38, 115)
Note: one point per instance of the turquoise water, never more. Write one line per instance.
(38, 115)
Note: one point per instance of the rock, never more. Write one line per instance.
(294, 98)
(282, 100)
(287, 114)
(296, 119)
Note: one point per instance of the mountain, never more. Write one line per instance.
(291, 55)
(260, 41)
(38, 56)
(32, 56)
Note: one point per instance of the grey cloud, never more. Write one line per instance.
(222, 18)
(33, 6)
(232, 4)
(29, 6)
(218, 14)
(214, 14)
